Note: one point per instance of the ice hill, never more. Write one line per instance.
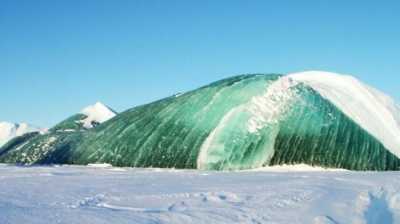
(9, 131)
(248, 121)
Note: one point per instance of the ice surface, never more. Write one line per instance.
(374, 111)
(332, 108)
(237, 123)
(96, 113)
(92, 195)
(268, 108)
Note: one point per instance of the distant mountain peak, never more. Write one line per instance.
(10, 130)
(96, 114)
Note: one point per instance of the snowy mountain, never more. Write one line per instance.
(244, 122)
(88, 118)
(9, 131)
(64, 136)
(96, 114)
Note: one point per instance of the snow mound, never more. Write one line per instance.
(97, 113)
(9, 131)
(374, 111)
(99, 165)
(295, 168)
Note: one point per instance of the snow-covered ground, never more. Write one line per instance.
(103, 194)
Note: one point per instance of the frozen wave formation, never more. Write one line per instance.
(248, 121)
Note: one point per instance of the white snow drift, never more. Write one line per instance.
(374, 111)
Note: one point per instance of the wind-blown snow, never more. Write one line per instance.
(96, 195)
(98, 113)
(374, 111)
(9, 131)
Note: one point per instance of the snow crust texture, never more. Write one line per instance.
(99, 195)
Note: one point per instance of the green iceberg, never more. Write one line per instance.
(243, 122)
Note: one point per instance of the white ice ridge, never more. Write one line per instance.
(9, 131)
(96, 113)
(269, 107)
(374, 111)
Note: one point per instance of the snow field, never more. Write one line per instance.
(103, 194)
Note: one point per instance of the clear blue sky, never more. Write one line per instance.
(59, 56)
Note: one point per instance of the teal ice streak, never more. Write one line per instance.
(170, 132)
(315, 132)
(242, 122)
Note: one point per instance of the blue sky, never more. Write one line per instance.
(58, 56)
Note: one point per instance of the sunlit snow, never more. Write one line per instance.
(103, 194)
(98, 113)
(374, 111)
